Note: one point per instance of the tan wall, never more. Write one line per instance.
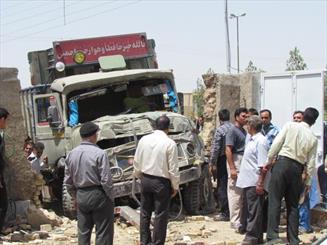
(188, 105)
(18, 174)
(227, 92)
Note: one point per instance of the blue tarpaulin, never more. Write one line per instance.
(73, 115)
(173, 104)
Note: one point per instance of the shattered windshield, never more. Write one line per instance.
(123, 98)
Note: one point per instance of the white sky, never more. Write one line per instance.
(189, 34)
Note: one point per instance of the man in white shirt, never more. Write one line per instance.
(37, 163)
(254, 158)
(156, 164)
(296, 147)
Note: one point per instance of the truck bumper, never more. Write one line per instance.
(124, 188)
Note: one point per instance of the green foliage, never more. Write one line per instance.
(198, 97)
(251, 67)
(295, 61)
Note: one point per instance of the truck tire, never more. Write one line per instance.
(198, 195)
(68, 204)
(207, 201)
(191, 197)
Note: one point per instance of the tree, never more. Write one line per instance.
(295, 62)
(251, 67)
(198, 97)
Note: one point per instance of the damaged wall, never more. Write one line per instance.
(227, 92)
(18, 175)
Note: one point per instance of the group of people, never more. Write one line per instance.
(256, 166)
(33, 153)
(88, 180)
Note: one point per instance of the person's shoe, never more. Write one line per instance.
(220, 217)
(240, 230)
(274, 241)
(302, 230)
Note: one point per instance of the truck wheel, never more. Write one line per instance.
(207, 201)
(68, 204)
(191, 197)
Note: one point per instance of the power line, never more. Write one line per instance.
(19, 11)
(35, 15)
(53, 19)
(74, 21)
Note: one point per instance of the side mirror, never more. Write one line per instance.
(53, 117)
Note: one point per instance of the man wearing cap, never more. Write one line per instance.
(156, 164)
(88, 179)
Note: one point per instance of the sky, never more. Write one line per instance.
(189, 34)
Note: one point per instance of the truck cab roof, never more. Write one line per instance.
(66, 85)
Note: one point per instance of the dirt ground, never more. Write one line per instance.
(200, 230)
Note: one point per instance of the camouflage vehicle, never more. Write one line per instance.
(125, 105)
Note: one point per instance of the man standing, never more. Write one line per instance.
(235, 144)
(88, 179)
(298, 116)
(295, 145)
(218, 160)
(268, 129)
(156, 164)
(304, 207)
(3, 191)
(37, 163)
(254, 158)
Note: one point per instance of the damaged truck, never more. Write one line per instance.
(124, 102)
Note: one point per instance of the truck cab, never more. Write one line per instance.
(124, 104)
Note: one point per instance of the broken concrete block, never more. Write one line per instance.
(46, 227)
(37, 217)
(60, 238)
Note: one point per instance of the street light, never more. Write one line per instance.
(232, 16)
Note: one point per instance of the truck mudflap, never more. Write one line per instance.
(122, 189)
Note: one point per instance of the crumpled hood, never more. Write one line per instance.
(129, 125)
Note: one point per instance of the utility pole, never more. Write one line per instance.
(64, 2)
(238, 40)
(228, 60)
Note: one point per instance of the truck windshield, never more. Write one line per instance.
(123, 98)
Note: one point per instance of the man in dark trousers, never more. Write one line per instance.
(295, 145)
(3, 191)
(156, 164)
(88, 179)
(218, 161)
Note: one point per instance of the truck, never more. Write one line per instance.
(124, 103)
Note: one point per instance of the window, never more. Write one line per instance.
(42, 105)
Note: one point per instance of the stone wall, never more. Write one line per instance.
(18, 175)
(227, 92)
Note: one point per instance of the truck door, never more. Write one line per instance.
(285, 93)
(53, 139)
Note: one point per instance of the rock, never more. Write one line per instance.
(186, 239)
(37, 217)
(70, 232)
(202, 227)
(206, 233)
(46, 227)
(213, 230)
(25, 227)
(42, 234)
(59, 238)
(195, 218)
(17, 237)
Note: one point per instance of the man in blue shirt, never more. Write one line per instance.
(268, 129)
